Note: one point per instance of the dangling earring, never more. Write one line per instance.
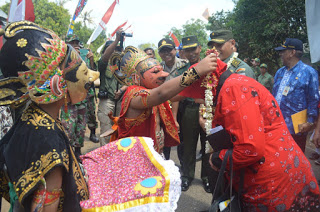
(66, 106)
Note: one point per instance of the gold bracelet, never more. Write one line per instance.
(189, 77)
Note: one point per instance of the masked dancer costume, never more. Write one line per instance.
(40, 67)
(136, 61)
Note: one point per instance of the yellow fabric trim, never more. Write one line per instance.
(218, 40)
(189, 46)
(142, 201)
(166, 44)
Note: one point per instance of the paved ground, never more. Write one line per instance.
(193, 200)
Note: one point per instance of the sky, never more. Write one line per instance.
(150, 20)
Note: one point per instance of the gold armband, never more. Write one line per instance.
(189, 77)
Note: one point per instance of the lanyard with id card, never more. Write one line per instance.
(286, 91)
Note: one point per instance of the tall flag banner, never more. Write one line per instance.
(3, 20)
(205, 14)
(1, 40)
(313, 28)
(120, 26)
(175, 39)
(127, 28)
(21, 10)
(77, 12)
(105, 19)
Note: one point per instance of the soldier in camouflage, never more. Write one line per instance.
(224, 43)
(82, 113)
(175, 67)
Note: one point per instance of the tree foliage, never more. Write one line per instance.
(260, 26)
(51, 16)
(192, 27)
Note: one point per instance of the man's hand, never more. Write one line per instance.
(90, 54)
(305, 127)
(316, 138)
(177, 125)
(211, 164)
(207, 65)
(118, 34)
(117, 94)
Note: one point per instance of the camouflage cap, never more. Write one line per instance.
(220, 36)
(263, 65)
(71, 37)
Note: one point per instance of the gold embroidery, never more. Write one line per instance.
(22, 42)
(139, 120)
(4, 188)
(189, 77)
(137, 91)
(38, 118)
(39, 169)
(169, 127)
(82, 188)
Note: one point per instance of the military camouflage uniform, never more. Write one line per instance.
(80, 114)
(74, 123)
(266, 80)
(180, 65)
(256, 71)
(240, 67)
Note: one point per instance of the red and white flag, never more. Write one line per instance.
(21, 10)
(120, 26)
(175, 39)
(127, 27)
(205, 14)
(105, 19)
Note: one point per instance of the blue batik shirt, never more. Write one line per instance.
(302, 83)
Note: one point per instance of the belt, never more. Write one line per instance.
(190, 103)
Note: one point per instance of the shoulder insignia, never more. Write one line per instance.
(240, 69)
(236, 63)
(182, 65)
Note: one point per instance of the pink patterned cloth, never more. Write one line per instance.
(125, 173)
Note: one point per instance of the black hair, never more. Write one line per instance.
(146, 49)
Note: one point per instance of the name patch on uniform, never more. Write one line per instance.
(236, 63)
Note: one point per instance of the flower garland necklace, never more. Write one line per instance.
(210, 83)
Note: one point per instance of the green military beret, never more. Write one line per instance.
(189, 42)
(220, 36)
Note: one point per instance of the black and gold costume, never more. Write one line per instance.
(34, 146)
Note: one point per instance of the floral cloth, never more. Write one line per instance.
(278, 176)
(129, 175)
(5, 120)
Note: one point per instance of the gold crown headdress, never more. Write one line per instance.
(36, 73)
(131, 60)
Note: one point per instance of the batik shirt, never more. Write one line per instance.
(278, 176)
(302, 84)
(5, 120)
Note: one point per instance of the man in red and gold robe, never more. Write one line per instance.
(145, 110)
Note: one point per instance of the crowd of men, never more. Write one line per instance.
(295, 87)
